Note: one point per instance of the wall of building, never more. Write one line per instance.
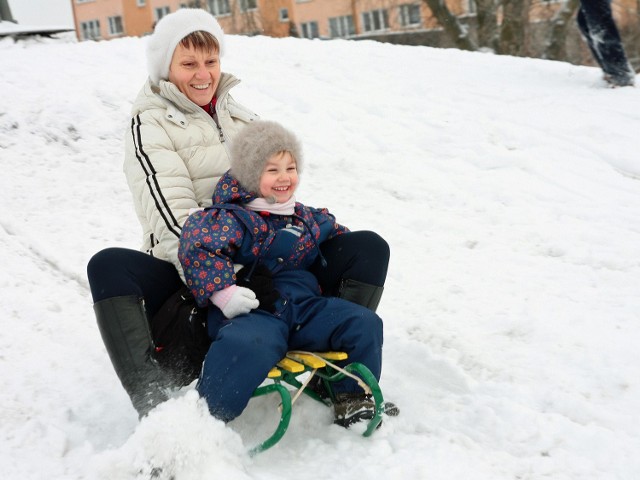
(265, 20)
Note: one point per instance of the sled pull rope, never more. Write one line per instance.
(363, 385)
(303, 386)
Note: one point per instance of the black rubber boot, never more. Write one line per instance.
(126, 334)
(351, 408)
(361, 293)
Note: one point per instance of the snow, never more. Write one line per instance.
(508, 189)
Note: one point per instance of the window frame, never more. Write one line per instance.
(405, 12)
(376, 20)
(219, 8)
(115, 19)
(91, 26)
(310, 29)
(245, 7)
(159, 12)
(342, 26)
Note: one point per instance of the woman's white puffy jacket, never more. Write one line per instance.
(174, 155)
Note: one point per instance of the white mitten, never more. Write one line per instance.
(234, 301)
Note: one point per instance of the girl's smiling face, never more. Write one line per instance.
(279, 177)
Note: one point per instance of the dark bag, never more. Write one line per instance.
(179, 331)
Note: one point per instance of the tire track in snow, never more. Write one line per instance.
(12, 241)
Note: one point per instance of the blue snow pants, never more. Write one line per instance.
(246, 347)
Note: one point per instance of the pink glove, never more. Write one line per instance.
(234, 301)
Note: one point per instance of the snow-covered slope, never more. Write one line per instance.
(507, 188)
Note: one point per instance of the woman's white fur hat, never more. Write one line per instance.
(168, 32)
(254, 145)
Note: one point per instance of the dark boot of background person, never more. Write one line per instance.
(595, 21)
(127, 337)
(361, 293)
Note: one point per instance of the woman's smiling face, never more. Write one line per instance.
(196, 73)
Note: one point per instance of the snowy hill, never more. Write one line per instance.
(508, 189)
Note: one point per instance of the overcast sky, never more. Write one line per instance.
(42, 12)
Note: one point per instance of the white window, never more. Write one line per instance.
(219, 7)
(141, 3)
(161, 12)
(341, 26)
(115, 25)
(409, 15)
(375, 20)
(309, 30)
(284, 15)
(248, 5)
(90, 30)
(84, 1)
(472, 8)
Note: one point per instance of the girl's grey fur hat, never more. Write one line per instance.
(254, 145)
(168, 32)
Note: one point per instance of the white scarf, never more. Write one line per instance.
(263, 205)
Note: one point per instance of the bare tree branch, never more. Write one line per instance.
(454, 29)
(487, 21)
(513, 32)
(556, 45)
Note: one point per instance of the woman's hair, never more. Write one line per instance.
(202, 41)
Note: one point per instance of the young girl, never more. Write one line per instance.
(255, 221)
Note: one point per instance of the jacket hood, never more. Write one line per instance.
(229, 191)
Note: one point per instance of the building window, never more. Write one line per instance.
(309, 30)
(219, 7)
(141, 3)
(341, 26)
(472, 8)
(248, 5)
(161, 12)
(410, 15)
(284, 15)
(375, 20)
(90, 30)
(115, 25)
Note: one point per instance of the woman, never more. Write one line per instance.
(176, 148)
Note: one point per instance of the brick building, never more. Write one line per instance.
(106, 19)
(400, 21)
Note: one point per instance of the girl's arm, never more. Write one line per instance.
(206, 248)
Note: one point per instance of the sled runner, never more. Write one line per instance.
(319, 365)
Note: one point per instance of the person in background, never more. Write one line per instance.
(176, 148)
(277, 306)
(596, 24)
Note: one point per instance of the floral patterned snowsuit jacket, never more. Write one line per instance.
(215, 239)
